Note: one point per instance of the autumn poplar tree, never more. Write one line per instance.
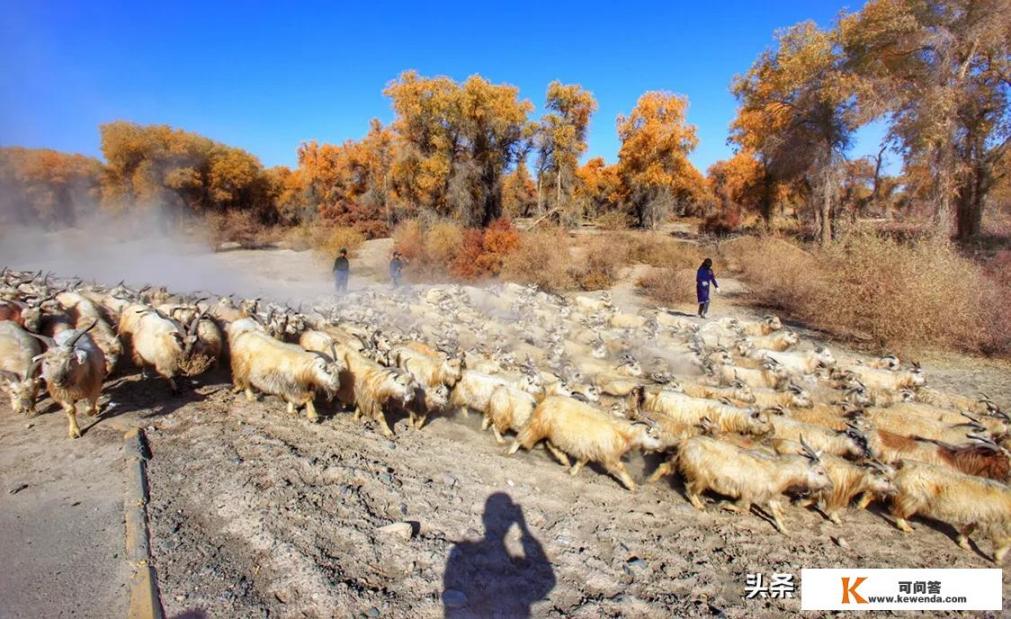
(797, 112)
(561, 141)
(656, 175)
(454, 142)
(941, 71)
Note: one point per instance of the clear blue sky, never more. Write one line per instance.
(267, 76)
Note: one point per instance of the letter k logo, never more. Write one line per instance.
(848, 589)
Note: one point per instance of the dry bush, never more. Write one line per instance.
(898, 294)
(542, 258)
(779, 272)
(409, 240)
(242, 227)
(324, 239)
(669, 286)
(439, 247)
(659, 250)
(600, 258)
(443, 241)
(613, 220)
(723, 223)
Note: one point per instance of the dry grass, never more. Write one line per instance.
(669, 286)
(437, 248)
(542, 258)
(597, 261)
(659, 250)
(242, 227)
(899, 294)
(324, 239)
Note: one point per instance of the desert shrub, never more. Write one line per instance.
(779, 272)
(599, 260)
(723, 223)
(659, 250)
(440, 247)
(236, 226)
(542, 258)
(899, 294)
(613, 220)
(323, 238)
(442, 241)
(669, 286)
(409, 239)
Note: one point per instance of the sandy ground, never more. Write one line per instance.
(255, 513)
(61, 520)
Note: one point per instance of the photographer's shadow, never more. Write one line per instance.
(483, 580)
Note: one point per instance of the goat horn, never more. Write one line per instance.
(811, 453)
(970, 417)
(982, 438)
(80, 334)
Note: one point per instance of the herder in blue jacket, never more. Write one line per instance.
(703, 278)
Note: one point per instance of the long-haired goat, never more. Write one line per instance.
(833, 442)
(473, 390)
(83, 311)
(74, 368)
(750, 476)
(374, 387)
(869, 480)
(586, 433)
(691, 411)
(806, 362)
(17, 366)
(155, 341)
(963, 501)
(281, 369)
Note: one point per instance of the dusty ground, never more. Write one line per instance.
(255, 513)
(61, 520)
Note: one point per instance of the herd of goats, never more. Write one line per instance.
(742, 407)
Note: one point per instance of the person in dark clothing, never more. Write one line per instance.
(396, 268)
(703, 278)
(341, 268)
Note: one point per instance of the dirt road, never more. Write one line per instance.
(255, 513)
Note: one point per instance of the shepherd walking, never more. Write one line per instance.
(703, 278)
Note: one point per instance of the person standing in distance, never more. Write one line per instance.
(341, 268)
(703, 278)
(396, 268)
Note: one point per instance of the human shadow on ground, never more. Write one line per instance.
(483, 579)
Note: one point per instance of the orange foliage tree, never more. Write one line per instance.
(41, 186)
(157, 164)
(347, 184)
(656, 175)
(560, 142)
(454, 143)
(599, 188)
(798, 114)
(519, 192)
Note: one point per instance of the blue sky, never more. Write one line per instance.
(267, 76)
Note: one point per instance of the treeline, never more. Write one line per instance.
(454, 150)
(937, 72)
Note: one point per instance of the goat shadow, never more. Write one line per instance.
(482, 579)
(944, 529)
(130, 392)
